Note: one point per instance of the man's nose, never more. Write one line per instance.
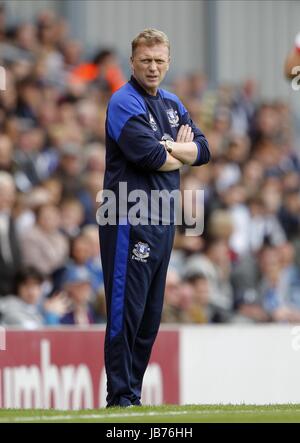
(152, 66)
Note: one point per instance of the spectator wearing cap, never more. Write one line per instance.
(76, 284)
(82, 255)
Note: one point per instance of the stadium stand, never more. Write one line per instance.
(245, 266)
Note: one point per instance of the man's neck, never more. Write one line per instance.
(150, 92)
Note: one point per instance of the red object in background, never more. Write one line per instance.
(88, 72)
(64, 369)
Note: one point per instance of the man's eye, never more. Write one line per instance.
(148, 61)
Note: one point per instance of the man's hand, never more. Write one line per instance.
(184, 151)
(171, 163)
(185, 134)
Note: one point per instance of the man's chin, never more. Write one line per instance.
(152, 84)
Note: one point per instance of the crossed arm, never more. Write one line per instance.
(184, 150)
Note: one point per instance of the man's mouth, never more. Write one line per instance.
(152, 77)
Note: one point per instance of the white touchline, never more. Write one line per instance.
(143, 414)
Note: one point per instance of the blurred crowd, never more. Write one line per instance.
(245, 265)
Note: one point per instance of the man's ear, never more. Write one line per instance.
(131, 64)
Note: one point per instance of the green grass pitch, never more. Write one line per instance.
(289, 413)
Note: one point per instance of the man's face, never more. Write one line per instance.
(49, 218)
(149, 66)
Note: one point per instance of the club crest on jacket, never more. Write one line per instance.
(173, 117)
(141, 252)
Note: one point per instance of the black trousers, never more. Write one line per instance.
(135, 261)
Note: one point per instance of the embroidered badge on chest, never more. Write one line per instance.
(141, 252)
(173, 117)
(152, 122)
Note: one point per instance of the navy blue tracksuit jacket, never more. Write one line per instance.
(135, 258)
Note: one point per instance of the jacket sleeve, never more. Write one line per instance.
(203, 156)
(128, 125)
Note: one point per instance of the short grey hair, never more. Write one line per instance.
(150, 37)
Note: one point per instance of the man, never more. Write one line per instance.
(77, 285)
(10, 254)
(135, 258)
